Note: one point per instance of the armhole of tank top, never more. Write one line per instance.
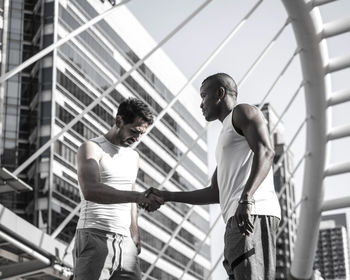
(98, 141)
(233, 125)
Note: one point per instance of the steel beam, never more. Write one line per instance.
(316, 3)
(337, 169)
(339, 97)
(281, 228)
(96, 101)
(338, 63)
(43, 260)
(277, 165)
(283, 71)
(291, 101)
(307, 25)
(18, 269)
(338, 203)
(199, 248)
(30, 239)
(59, 43)
(291, 175)
(336, 27)
(263, 53)
(203, 66)
(339, 132)
(10, 182)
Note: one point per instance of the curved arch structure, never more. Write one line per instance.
(308, 29)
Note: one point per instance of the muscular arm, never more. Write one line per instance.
(207, 195)
(89, 155)
(250, 122)
(134, 230)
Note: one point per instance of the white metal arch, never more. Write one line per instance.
(316, 66)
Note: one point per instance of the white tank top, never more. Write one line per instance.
(118, 169)
(234, 160)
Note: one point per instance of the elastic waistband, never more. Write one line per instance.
(102, 232)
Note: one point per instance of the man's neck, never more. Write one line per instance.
(226, 110)
(111, 136)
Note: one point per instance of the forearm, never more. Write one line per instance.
(261, 165)
(104, 194)
(198, 197)
(134, 232)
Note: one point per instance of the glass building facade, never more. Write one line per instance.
(332, 255)
(284, 187)
(46, 96)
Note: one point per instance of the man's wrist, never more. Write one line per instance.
(246, 199)
(139, 197)
(166, 195)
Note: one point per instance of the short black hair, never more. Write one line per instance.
(132, 108)
(223, 80)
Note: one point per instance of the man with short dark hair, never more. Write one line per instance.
(242, 182)
(107, 238)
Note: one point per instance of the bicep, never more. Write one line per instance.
(254, 129)
(214, 181)
(88, 165)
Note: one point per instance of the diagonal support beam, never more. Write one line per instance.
(199, 248)
(281, 228)
(292, 175)
(66, 220)
(284, 69)
(278, 163)
(20, 269)
(59, 43)
(203, 66)
(109, 90)
(263, 53)
(316, 3)
(287, 107)
(172, 237)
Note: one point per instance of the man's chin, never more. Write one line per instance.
(209, 119)
(125, 144)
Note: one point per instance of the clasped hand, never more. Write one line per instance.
(151, 200)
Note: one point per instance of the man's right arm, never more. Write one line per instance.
(89, 155)
(209, 195)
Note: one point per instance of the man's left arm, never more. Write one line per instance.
(250, 121)
(134, 229)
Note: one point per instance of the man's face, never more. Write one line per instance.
(210, 101)
(130, 133)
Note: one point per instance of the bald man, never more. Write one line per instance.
(242, 182)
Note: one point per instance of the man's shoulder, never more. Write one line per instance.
(245, 109)
(90, 146)
(244, 112)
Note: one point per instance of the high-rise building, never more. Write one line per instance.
(42, 99)
(284, 186)
(332, 256)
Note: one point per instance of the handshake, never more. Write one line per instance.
(151, 200)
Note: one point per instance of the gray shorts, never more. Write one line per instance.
(99, 255)
(251, 257)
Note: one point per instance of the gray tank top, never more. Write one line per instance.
(118, 169)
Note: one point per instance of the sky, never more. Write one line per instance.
(190, 47)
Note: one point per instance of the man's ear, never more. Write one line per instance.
(221, 93)
(119, 121)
